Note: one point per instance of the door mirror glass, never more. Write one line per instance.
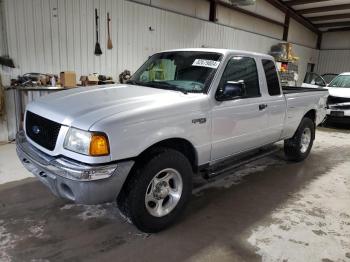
(230, 90)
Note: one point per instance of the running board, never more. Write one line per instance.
(233, 163)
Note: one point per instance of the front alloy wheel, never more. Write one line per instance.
(163, 192)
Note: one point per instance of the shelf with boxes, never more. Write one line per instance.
(286, 62)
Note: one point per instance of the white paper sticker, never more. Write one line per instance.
(206, 63)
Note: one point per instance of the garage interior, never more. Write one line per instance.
(269, 209)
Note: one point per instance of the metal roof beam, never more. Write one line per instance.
(338, 29)
(324, 9)
(303, 2)
(334, 24)
(329, 17)
(244, 11)
(293, 14)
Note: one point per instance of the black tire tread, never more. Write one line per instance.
(128, 199)
(292, 145)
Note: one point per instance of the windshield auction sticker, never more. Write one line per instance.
(206, 63)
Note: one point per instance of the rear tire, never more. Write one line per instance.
(299, 146)
(158, 190)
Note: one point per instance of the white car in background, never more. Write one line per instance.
(313, 80)
(338, 104)
(339, 99)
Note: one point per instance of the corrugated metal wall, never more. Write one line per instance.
(2, 30)
(336, 40)
(335, 56)
(56, 35)
(333, 61)
(299, 34)
(194, 8)
(237, 19)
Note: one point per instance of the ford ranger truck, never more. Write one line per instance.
(183, 112)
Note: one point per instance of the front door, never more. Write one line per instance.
(239, 124)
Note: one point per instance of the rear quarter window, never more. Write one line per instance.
(272, 81)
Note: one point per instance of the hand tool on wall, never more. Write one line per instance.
(98, 50)
(2, 99)
(109, 42)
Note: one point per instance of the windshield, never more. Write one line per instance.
(341, 81)
(185, 71)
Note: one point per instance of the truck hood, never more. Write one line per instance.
(84, 106)
(339, 92)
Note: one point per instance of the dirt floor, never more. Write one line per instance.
(269, 210)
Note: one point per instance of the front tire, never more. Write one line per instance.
(299, 146)
(157, 191)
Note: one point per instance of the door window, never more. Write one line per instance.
(273, 84)
(242, 69)
(314, 79)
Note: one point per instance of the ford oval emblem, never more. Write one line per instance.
(36, 129)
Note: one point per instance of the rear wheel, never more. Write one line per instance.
(299, 146)
(158, 191)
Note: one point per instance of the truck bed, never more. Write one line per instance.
(297, 89)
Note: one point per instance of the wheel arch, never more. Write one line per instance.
(180, 144)
(311, 114)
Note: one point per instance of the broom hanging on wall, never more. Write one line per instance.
(98, 50)
(109, 41)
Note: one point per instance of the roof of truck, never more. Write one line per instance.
(345, 73)
(222, 51)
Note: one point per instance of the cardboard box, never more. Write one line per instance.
(92, 79)
(68, 79)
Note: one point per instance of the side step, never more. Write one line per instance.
(233, 163)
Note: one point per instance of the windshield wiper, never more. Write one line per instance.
(157, 84)
(164, 85)
(133, 82)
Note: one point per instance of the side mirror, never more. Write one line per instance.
(230, 90)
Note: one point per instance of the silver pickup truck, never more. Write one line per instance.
(183, 112)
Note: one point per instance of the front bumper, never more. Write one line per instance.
(339, 120)
(81, 183)
(338, 112)
(338, 115)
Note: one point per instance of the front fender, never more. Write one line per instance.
(130, 140)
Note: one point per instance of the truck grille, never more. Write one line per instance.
(336, 100)
(341, 107)
(41, 130)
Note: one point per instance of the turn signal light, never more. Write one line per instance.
(99, 145)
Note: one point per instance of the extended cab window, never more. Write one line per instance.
(272, 81)
(242, 69)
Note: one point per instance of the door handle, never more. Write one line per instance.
(262, 106)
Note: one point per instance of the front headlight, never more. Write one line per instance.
(86, 143)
